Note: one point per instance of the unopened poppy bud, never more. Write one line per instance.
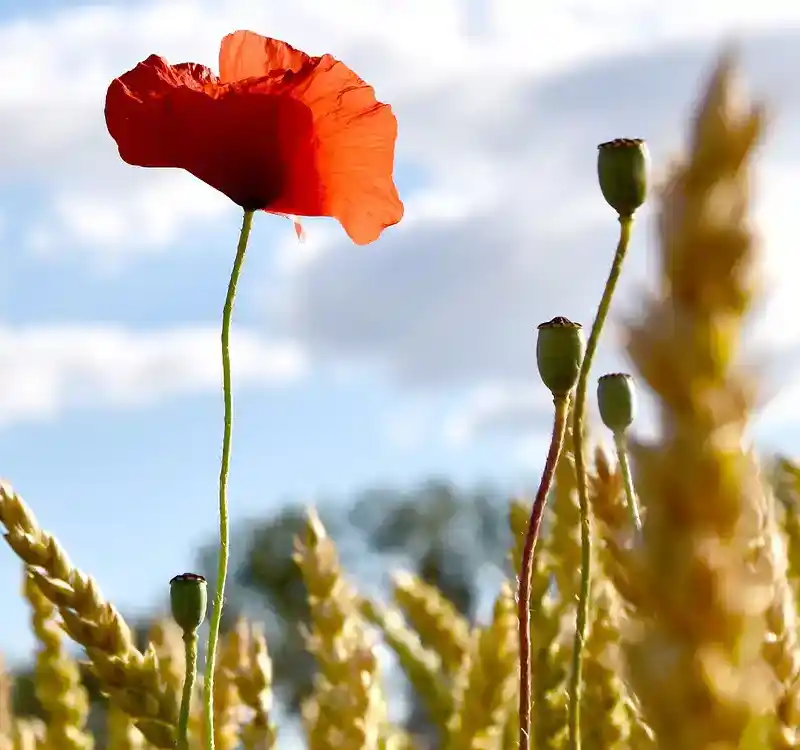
(616, 397)
(188, 595)
(622, 168)
(559, 353)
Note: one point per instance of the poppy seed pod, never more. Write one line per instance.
(188, 596)
(616, 398)
(559, 353)
(622, 168)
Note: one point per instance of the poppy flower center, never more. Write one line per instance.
(263, 151)
(254, 146)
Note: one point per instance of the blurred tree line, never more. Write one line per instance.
(448, 536)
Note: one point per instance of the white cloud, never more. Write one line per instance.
(150, 218)
(453, 299)
(498, 407)
(500, 107)
(45, 370)
(602, 27)
(439, 65)
(60, 65)
(531, 448)
(773, 344)
(408, 429)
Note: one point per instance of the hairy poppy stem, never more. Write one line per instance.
(190, 643)
(582, 618)
(224, 533)
(630, 492)
(561, 404)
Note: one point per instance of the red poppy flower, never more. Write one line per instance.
(277, 131)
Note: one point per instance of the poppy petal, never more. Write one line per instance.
(354, 142)
(245, 54)
(298, 229)
(293, 134)
(232, 138)
(139, 109)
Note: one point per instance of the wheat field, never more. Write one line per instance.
(692, 635)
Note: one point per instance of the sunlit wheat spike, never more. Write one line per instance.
(131, 679)
(348, 707)
(614, 529)
(254, 683)
(57, 676)
(606, 720)
(697, 650)
(439, 625)
(27, 734)
(165, 638)
(780, 649)
(488, 685)
(422, 667)
(563, 538)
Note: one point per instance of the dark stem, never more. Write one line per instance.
(561, 405)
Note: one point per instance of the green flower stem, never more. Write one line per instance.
(190, 643)
(575, 686)
(561, 404)
(625, 468)
(224, 533)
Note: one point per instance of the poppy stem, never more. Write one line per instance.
(190, 645)
(582, 617)
(630, 492)
(224, 532)
(561, 404)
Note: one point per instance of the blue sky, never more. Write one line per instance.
(410, 357)
(133, 487)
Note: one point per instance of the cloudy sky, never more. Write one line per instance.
(408, 357)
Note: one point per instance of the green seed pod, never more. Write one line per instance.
(616, 397)
(622, 167)
(559, 353)
(188, 595)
